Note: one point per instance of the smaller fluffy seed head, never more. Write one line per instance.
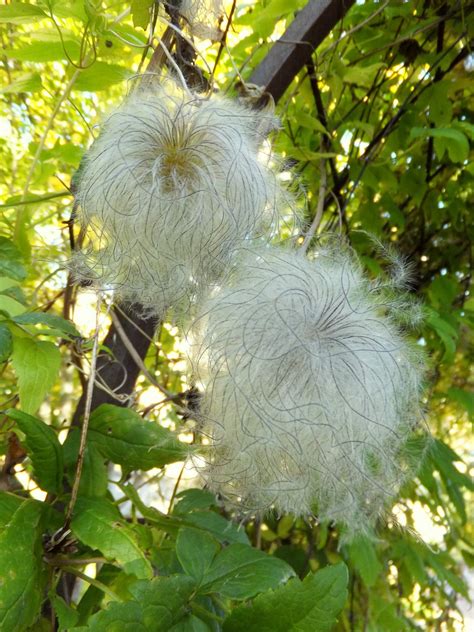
(310, 390)
(203, 17)
(172, 186)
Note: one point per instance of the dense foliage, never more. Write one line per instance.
(378, 126)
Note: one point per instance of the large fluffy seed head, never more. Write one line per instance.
(310, 390)
(172, 186)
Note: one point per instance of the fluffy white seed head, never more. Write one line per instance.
(310, 390)
(172, 186)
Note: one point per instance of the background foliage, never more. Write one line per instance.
(384, 111)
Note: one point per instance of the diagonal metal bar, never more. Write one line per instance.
(293, 50)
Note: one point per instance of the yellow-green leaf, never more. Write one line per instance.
(36, 365)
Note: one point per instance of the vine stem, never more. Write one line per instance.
(90, 580)
(87, 414)
(319, 209)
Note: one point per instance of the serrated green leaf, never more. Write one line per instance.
(21, 13)
(117, 617)
(223, 530)
(44, 450)
(67, 616)
(27, 82)
(309, 606)
(21, 569)
(6, 343)
(36, 365)
(101, 76)
(51, 320)
(364, 559)
(196, 551)
(190, 623)
(163, 600)
(156, 607)
(98, 524)
(241, 572)
(124, 437)
(192, 499)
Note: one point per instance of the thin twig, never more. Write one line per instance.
(223, 39)
(87, 414)
(175, 489)
(319, 209)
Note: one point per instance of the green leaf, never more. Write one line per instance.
(441, 108)
(21, 576)
(156, 607)
(101, 76)
(196, 550)
(6, 343)
(447, 334)
(36, 365)
(309, 606)
(21, 13)
(7, 283)
(364, 560)
(190, 623)
(27, 82)
(118, 617)
(193, 499)
(362, 76)
(464, 398)
(45, 51)
(384, 617)
(163, 600)
(241, 572)
(98, 524)
(43, 448)
(311, 122)
(223, 530)
(51, 320)
(67, 616)
(140, 10)
(124, 437)
(10, 307)
(11, 260)
(443, 458)
(458, 147)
